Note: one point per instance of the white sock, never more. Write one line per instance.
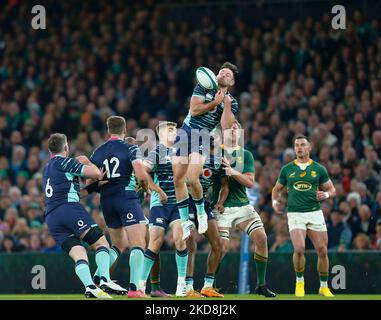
(301, 279)
(142, 285)
(181, 280)
(323, 284)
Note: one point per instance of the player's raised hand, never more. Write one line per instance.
(227, 100)
(227, 167)
(219, 97)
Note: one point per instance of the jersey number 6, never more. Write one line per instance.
(48, 189)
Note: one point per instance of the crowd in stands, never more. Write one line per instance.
(295, 77)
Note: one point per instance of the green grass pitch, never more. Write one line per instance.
(227, 297)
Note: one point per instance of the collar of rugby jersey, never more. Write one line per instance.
(233, 149)
(303, 166)
(114, 138)
(56, 155)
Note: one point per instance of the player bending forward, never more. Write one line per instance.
(233, 208)
(67, 219)
(307, 185)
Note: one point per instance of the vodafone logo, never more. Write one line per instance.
(207, 173)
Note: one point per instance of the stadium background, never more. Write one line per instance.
(137, 59)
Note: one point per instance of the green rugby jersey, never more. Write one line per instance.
(302, 185)
(243, 161)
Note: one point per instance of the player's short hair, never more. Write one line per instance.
(165, 124)
(116, 124)
(56, 142)
(301, 136)
(232, 67)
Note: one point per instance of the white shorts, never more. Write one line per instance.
(235, 215)
(313, 220)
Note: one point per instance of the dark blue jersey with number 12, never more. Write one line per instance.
(116, 157)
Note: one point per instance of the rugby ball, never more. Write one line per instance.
(206, 78)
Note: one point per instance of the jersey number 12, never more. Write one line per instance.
(107, 165)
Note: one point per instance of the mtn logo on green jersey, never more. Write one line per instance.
(302, 186)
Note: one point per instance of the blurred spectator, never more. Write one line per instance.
(339, 233)
(361, 242)
(376, 243)
(365, 224)
(282, 243)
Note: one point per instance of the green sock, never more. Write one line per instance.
(181, 262)
(148, 262)
(82, 270)
(200, 208)
(102, 259)
(299, 274)
(261, 266)
(114, 255)
(136, 267)
(323, 276)
(183, 207)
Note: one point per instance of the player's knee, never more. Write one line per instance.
(193, 179)
(180, 245)
(178, 181)
(70, 243)
(299, 249)
(261, 240)
(322, 250)
(94, 237)
(216, 246)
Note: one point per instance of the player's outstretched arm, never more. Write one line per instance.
(276, 195)
(328, 191)
(198, 107)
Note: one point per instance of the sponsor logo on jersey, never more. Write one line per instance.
(130, 216)
(313, 174)
(206, 173)
(302, 174)
(292, 175)
(302, 186)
